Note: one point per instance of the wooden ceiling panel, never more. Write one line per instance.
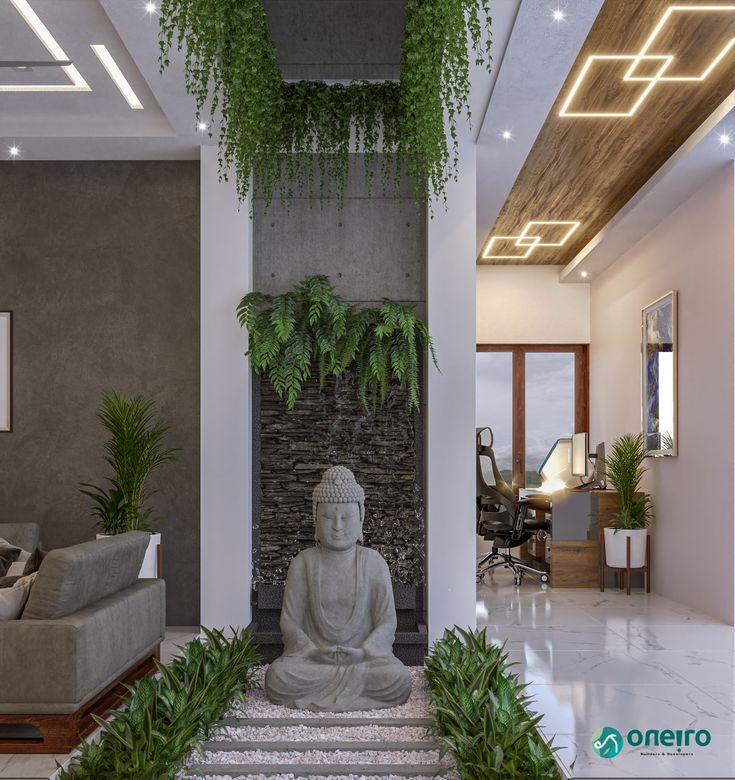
(648, 75)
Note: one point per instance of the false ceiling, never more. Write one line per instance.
(647, 76)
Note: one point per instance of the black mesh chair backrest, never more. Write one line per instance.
(501, 491)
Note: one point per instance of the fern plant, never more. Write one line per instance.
(269, 129)
(311, 327)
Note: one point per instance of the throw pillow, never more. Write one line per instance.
(24, 554)
(34, 562)
(13, 599)
(8, 555)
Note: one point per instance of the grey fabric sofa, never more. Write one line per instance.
(89, 623)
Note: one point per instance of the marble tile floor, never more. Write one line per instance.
(43, 767)
(594, 659)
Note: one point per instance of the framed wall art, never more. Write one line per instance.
(659, 369)
(6, 371)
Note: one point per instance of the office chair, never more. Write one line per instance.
(503, 518)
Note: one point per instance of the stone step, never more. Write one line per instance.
(327, 722)
(321, 745)
(318, 770)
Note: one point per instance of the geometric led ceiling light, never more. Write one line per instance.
(537, 233)
(670, 62)
(77, 83)
(114, 72)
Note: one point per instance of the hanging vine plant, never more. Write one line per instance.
(269, 129)
(312, 326)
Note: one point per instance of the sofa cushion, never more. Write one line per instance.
(13, 599)
(71, 578)
(34, 561)
(8, 555)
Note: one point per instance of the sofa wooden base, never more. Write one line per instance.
(62, 733)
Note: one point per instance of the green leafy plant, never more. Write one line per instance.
(624, 469)
(134, 451)
(269, 129)
(168, 715)
(312, 327)
(483, 713)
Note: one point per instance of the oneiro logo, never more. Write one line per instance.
(607, 742)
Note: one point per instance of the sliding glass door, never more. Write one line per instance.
(530, 395)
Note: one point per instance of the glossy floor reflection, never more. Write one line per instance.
(642, 661)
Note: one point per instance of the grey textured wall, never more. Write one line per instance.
(337, 39)
(382, 447)
(99, 262)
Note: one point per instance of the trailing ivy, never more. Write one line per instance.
(270, 129)
(312, 326)
(482, 711)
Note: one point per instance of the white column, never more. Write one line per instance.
(450, 454)
(226, 395)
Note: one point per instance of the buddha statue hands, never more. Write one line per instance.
(338, 619)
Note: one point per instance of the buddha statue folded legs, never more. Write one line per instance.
(338, 619)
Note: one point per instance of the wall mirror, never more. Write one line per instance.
(659, 400)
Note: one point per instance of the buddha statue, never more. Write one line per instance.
(338, 619)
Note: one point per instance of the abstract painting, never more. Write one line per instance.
(659, 376)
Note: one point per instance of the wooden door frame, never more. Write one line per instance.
(581, 393)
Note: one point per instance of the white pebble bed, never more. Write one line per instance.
(256, 705)
(314, 733)
(322, 757)
(449, 775)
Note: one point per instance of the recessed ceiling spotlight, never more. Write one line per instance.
(725, 139)
(506, 135)
(558, 15)
(151, 8)
(202, 127)
(584, 274)
(14, 151)
(22, 68)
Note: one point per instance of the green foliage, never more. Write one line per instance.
(134, 451)
(312, 326)
(482, 711)
(270, 129)
(624, 470)
(168, 715)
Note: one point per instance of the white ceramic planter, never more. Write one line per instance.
(149, 569)
(615, 547)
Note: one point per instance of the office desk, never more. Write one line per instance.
(577, 520)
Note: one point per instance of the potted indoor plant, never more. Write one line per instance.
(133, 450)
(624, 468)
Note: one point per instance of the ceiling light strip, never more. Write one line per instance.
(642, 55)
(529, 242)
(78, 84)
(114, 72)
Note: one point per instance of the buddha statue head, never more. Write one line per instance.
(338, 504)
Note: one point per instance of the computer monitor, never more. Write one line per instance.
(557, 465)
(580, 455)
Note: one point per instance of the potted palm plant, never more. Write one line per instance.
(134, 450)
(624, 468)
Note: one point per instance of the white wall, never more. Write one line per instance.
(226, 436)
(450, 464)
(527, 305)
(691, 251)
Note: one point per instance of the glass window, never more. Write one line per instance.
(494, 407)
(549, 406)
